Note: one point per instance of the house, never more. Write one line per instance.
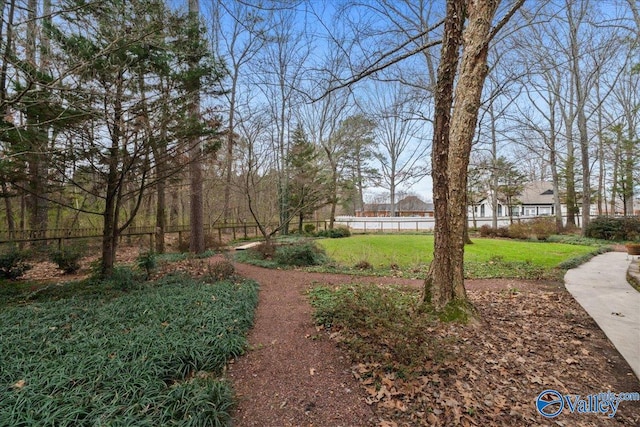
(536, 199)
(410, 206)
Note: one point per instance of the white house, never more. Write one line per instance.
(536, 199)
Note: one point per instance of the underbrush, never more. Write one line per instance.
(381, 326)
(303, 253)
(151, 356)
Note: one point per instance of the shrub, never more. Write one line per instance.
(380, 325)
(579, 260)
(13, 264)
(631, 228)
(502, 232)
(147, 262)
(67, 259)
(265, 250)
(222, 270)
(487, 231)
(363, 265)
(300, 255)
(334, 233)
(183, 244)
(123, 278)
(309, 228)
(612, 228)
(543, 228)
(540, 228)
(519, 230)
(211, 242)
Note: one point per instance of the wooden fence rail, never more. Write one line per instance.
(60, 235)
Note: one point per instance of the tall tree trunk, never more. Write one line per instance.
(616, 166)
(226, 213)
(111, 208)
(440, 273)
(601, 161)
(581, 101)
(161, 209)
(494, 169)
(196, 208)
(446, 283)
(36, 157)
(392, 195)
(473, 71)
(333, 190)
(11, 226)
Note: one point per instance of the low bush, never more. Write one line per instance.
(265, 250)
(211, 242)
(124, 278)
(222, 270)
(519, 230)
(13, 264)
(502, 232)
(379, 324)
(334, 233)
(538, 228)
(487, 231)
(67, 259)
(614, 228)
(300, 255)
(572, 239)
(543, 228)
(309, 228)
(363, 265)
(147, 262)
(136, 359)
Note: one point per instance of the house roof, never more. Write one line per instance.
(537, 193)
(413, 204)
(408, 204)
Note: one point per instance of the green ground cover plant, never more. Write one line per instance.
(380, 325)
(285, 254)
(149, 356)
(485, 258)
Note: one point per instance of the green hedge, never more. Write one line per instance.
(614, 228)
(334, 233)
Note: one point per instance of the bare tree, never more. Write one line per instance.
(400, 135)
(279, 80)
(239, 32)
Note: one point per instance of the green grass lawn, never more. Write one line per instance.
(484, 258)
(150, 356)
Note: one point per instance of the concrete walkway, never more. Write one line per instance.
(600, 287)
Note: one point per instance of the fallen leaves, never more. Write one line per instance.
(492, 375)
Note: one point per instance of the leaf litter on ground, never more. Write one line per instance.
(486, 373)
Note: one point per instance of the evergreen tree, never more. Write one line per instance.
(307, 188)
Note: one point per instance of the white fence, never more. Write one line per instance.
(407, 224)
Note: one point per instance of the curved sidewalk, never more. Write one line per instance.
(600, 287)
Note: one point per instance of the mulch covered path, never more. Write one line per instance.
(294, 375)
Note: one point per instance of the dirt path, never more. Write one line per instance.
(293, 375)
